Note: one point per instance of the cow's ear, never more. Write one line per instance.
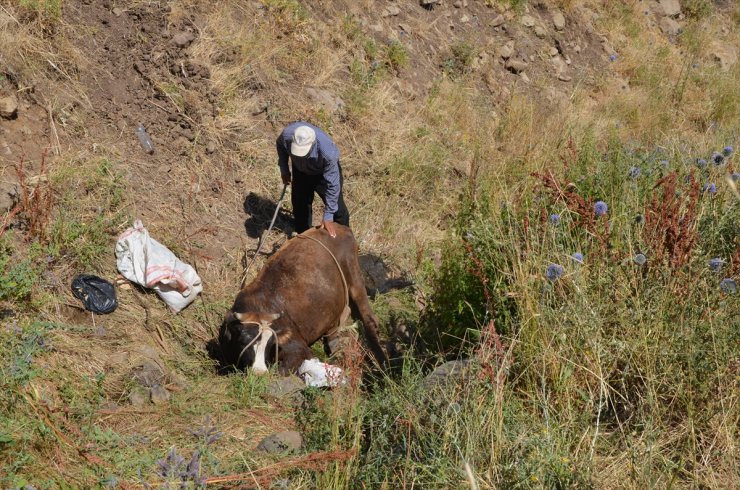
(248, 317)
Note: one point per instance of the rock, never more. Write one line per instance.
(9, 107)
(211, 147)
(325, 99)
(118, 11)
(405, 28)
(507, 50)
(281, 442)
(524, 77)
(515, 66)
(725, 55)
(553, 51)
(528, 21)
(286, 389)
(390, 11)
(540, 31)
(428, 3)
(449, 371)
(670, 26)
(498, 21)
(159, 395)
(374, 272)
(183, 39)
(564, 78)
(670, 8)
(558, 20)
(149, 374)
(137, 398)
(8, 196)
(465, 18)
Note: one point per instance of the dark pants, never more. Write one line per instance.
(304, 186)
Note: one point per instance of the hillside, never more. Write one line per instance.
(476, 138)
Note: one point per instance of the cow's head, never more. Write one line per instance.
(250, 339)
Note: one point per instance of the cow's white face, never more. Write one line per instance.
(256, 340)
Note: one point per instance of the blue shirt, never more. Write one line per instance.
(323, 159)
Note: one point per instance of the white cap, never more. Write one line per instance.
(303, 139)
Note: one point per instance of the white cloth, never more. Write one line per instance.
(145, 261)
(317, 373)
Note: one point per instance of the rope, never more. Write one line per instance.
(344, 282)
(259, 334)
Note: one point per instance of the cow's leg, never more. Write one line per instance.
(361, 307)
(292, 354)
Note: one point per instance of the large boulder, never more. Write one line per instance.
(287, 441)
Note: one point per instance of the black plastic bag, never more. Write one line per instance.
(98, 295)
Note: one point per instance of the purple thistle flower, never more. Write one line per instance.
(716, 264)
(555, 219)
(635, 172)
(554, 271)
(640, 259)
(701, 163)
(612, 57)
(665, 163)
(578, 257)
(727, 150)
(735, 176)
(718, 158)
(600, 208)
(711, 188)
(728, 286)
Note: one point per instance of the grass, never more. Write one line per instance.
(615, 374)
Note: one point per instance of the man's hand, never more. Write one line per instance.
(329, 226)
(286, 179)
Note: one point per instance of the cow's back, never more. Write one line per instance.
(302, 282)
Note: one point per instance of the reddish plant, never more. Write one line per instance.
(34, 203)
(670, 220)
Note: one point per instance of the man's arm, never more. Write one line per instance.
(283, 154)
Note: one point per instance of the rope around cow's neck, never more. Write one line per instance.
(259, 334)
(341, 273)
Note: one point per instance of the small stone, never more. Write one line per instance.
(577, 48)
(515, 66)
(670, 26)
(183, 39)
(118, 11)
(558, 20)
(159, 395)
(725, 55)
(8, 196)
(211, 147)
(507, 50)
(540, 31)
(528, 21)
(137, 398)
(553, 51)
(446, 372)
(289, 389)
(281, 442)
(670, 8)
(405, 28)
(498, 21)
(524, 77)
(9, 107)
(390, 11)
(465, 18)
(564, 78)
(325, 100)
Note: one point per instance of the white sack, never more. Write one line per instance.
(145, 261)
(317, 373)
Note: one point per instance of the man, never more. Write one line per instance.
(315, 164)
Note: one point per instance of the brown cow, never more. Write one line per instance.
(299, 296)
